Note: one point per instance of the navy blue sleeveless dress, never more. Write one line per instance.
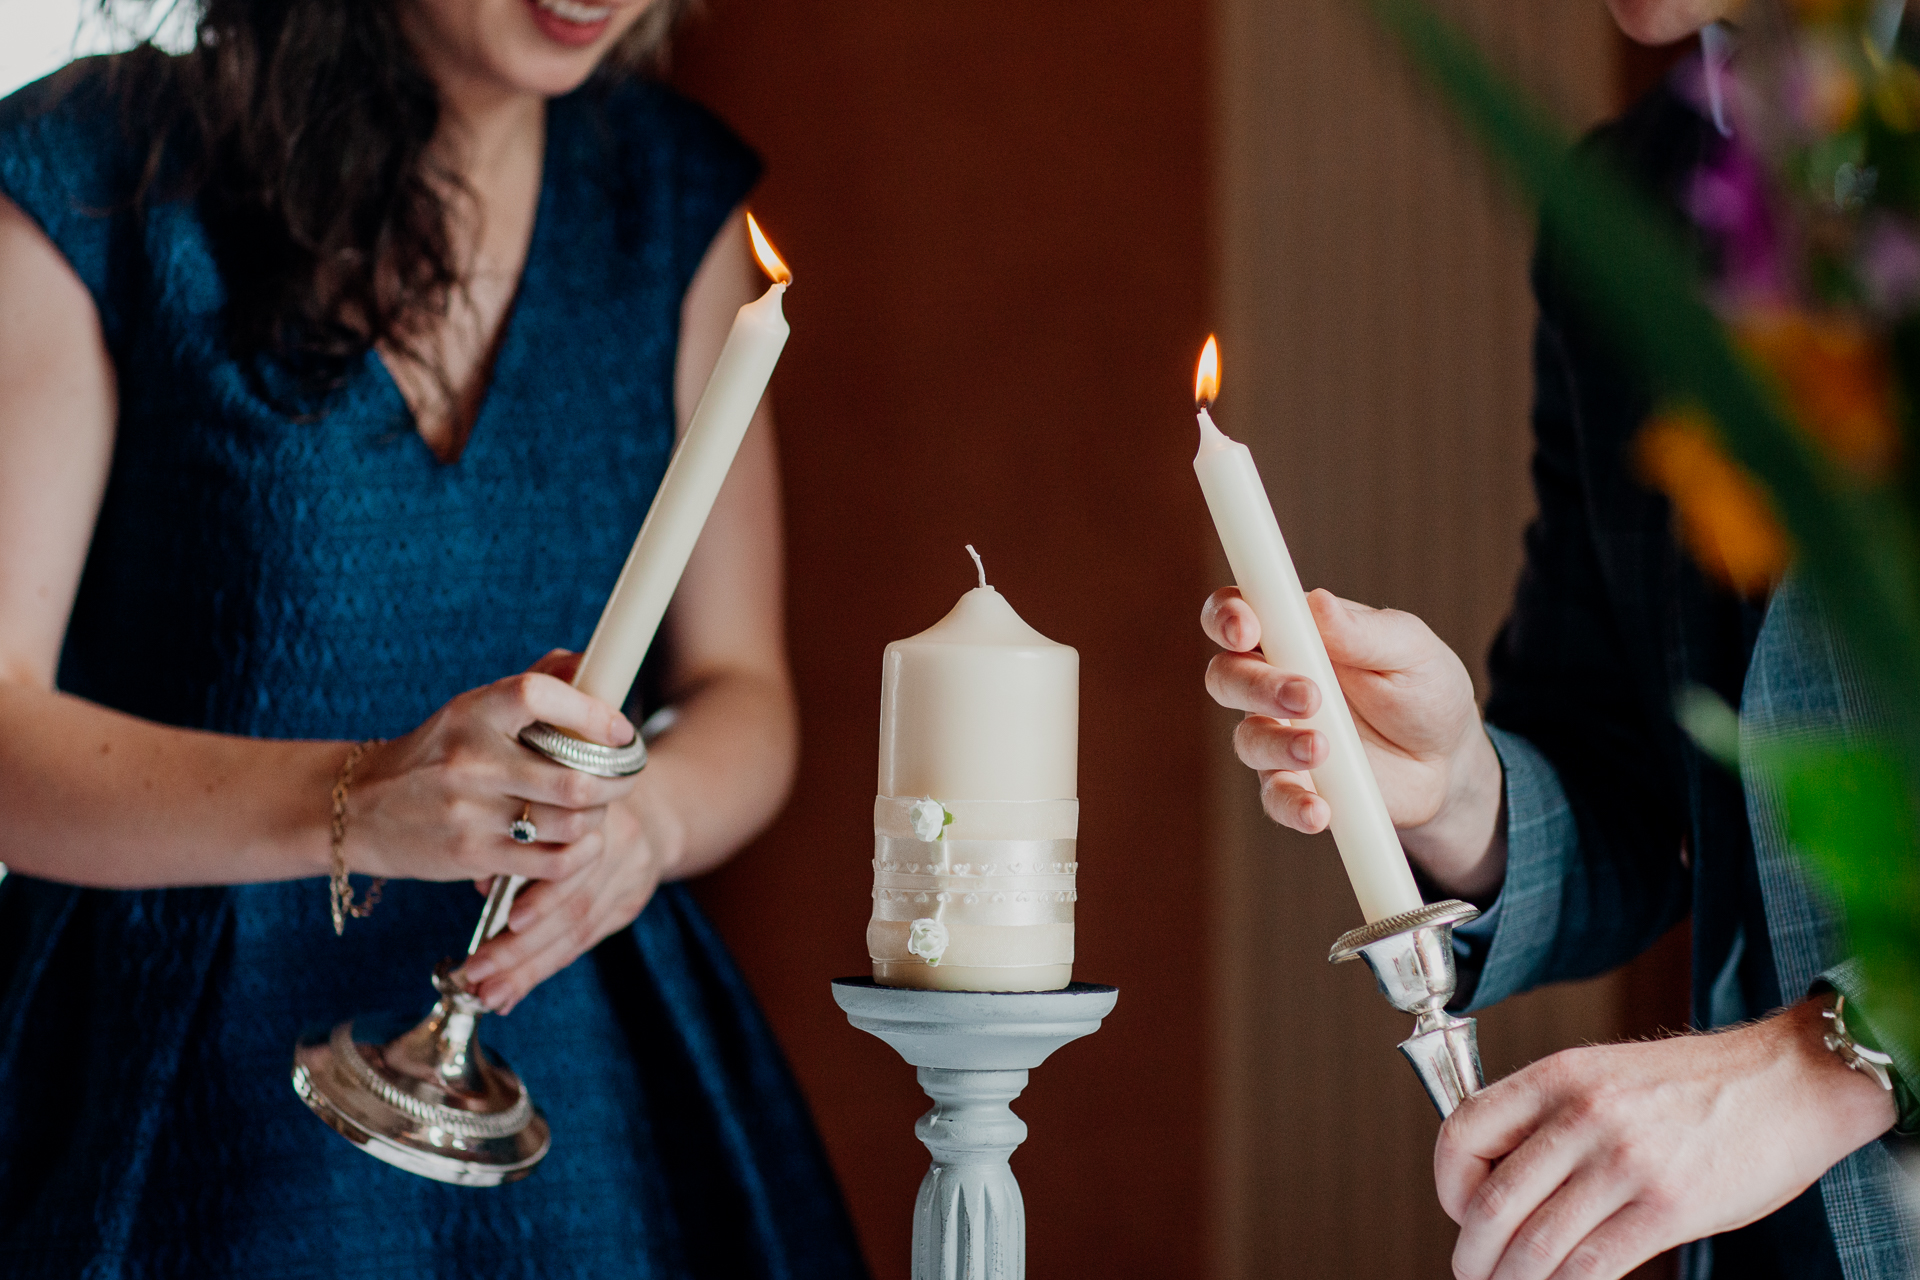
(255, 574)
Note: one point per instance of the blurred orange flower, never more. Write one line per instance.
(1724, 515)
(1830, 86)
(1896, 96)
(1816, 12)
(1836, 380)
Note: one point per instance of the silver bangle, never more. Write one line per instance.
(1867, 1061)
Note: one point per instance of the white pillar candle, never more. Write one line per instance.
(976, 818)
(687, 491)
(1369, 846)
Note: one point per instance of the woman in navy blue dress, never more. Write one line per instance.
(339, 360)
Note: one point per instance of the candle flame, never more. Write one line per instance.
(1206, 378)
(769, 260)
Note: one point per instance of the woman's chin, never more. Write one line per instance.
(1657, 22)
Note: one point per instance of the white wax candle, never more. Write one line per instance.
(976, 821)
(980, 706)
(1369, 847)
(687, 491)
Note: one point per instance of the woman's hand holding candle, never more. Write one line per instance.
(1413, 703)
(435, 804)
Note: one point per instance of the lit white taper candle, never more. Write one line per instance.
(1257, 553)
(687, 492)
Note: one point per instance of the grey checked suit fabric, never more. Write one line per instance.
(1800, 682)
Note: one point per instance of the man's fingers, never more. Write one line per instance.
(1570, 1214)
(1367, 638)
(1230, 622)
(1532, 1206)
(1289, 799)
(1616, 1246)
(1243, 682)
(1485, 1128)
(1264, 743)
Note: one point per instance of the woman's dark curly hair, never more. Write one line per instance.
(305, 128)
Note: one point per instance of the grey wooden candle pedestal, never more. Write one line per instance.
(973, 1050)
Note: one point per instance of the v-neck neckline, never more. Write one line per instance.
(507, 340)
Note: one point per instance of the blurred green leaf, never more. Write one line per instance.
(1850, 809)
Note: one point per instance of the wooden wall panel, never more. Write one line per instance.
(1375, 322)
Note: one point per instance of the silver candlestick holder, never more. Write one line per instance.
(431, 1100)
(1411, 956)
(973, 1050)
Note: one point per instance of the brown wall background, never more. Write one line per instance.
(997, 217)
(1012, 226)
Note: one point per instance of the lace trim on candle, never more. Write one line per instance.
(981, 819)
(975, 859)
(1022, 907)
(983, 882)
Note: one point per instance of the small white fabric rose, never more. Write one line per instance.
(927, 938)
(929, 818)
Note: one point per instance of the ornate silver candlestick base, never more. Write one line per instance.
(1411, 956)
(973, 1050)
(431, 1100)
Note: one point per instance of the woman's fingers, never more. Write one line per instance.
(558, 663)
(1242, 682)
(550, 923)
(555, 825)
(501, 855)
(512, 704)
(1230, 622)
(556, 786)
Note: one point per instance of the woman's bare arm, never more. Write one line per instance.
(92, 796)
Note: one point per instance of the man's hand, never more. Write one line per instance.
(1412, 701)
(1594, 1160)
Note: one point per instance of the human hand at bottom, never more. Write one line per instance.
(621, 859)
(555, 922)
(1594, 1160)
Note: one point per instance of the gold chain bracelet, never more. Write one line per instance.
(340, 890)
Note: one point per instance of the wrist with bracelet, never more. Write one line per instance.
(339, 888)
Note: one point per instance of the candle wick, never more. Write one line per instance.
(977, 564)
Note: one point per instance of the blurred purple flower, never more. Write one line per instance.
(1889, 267)
(1728, 199)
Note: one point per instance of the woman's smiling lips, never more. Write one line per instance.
(569, 22)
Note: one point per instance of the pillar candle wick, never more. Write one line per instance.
(978, 564)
